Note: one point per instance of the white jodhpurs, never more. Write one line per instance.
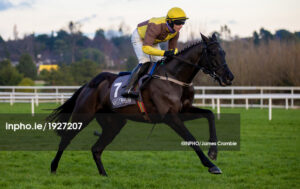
(137, 44)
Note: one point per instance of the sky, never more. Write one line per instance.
(243, 17)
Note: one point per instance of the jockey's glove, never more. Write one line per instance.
(169, 53)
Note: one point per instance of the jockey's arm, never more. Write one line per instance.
(152, 51)
(150, 36)
(156, 52)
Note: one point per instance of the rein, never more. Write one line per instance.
(172, 80)
(211, 72)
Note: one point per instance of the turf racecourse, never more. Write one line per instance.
(269, 158)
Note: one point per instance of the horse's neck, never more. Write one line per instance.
(182, 71)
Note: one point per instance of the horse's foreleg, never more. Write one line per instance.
(178, 126)
(195, 113)
(111, 126)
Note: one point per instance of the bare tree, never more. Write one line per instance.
(74, 29)
(15, 32)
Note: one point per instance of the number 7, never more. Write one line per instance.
(118, 85)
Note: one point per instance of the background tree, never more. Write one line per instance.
(1, 40)
(124, 46)
(4, 63)
(26, 82)
(131, 63)
(9, 74)
(74, 29)
(100, 33)
(94, 55)
(62, 76)
(225, 32)
(255, 38)
(3, 49)
(84, 70)
(104, 45)
(265, 35)
(61, 49)
(261, 59)
(27, 67)
(285, 35)
(44, 75)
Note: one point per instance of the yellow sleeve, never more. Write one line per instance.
(176, 51)
(152, 51)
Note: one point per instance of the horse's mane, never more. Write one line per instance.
(166, 60)
(189, 47)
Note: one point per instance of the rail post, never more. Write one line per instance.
(36, 100)
(203, 100)
(261, 100)
(232, 100)
(218, 107)
(292, 100)
(32, 106)
(270, 109)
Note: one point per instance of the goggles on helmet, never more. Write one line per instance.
(179, 22)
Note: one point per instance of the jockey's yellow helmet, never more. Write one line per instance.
(176, 13)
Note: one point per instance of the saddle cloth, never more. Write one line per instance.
(117, 100)
(118, 86)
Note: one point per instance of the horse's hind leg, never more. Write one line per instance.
(111, 126)
(68, 135)
(64, 142)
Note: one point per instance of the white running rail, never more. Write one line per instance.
(213, 94)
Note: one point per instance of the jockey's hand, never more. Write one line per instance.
(169, 53)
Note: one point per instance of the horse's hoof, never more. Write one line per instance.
(53, 172)
(215, 170)
(212, 154)
(53, 168)
(104, 174)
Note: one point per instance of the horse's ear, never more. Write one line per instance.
(204, 38)
(214, 37)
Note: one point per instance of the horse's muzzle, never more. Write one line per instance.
(227, 78)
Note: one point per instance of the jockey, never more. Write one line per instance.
(145, 40)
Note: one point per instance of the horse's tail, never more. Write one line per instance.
(64, 112)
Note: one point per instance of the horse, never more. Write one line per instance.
(169, 97)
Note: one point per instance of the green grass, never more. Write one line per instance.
(269, 158)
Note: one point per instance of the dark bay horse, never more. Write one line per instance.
(168, 99)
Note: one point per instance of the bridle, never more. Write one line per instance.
(206, 69)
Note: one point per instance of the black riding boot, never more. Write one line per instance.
(136, 73)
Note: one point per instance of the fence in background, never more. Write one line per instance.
(239, 96)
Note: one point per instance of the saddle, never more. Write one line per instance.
(118, 101)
